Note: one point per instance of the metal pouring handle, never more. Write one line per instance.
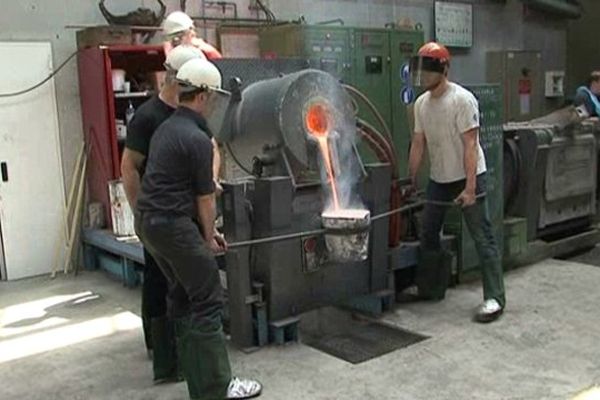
(297, 235)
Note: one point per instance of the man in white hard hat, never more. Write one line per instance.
(179, 28)
(158, 330)
(176, 215)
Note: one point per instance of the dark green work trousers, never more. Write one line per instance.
(480, 228)
(195, 301)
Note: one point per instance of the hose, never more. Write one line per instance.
(396, 223)
(37, 85)
(237, 161)
(268, 13)
(376, 113)
(388, 147)
(375, 146)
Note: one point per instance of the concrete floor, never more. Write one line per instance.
(79, 338)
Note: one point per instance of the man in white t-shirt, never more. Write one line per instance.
(447, 124)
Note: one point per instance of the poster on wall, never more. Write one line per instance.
(453, 24)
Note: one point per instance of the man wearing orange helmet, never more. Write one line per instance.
(447, 124)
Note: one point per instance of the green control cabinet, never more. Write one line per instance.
(491, 138)
(330, 47)
(373, 60)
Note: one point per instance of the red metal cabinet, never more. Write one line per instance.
(100, 108)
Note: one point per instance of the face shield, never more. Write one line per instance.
(216, 109)
(427, 72)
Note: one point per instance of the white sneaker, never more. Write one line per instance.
(488, 311)
(243, 389)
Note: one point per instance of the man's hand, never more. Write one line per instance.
(467, 198)
(218, 188)
(218, 244)
(411, 189)
(221, 241)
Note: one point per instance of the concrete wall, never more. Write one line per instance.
(583, 53)
(497, 25)
(45, 20)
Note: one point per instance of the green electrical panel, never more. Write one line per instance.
(373, 60)
(491, 138)
(329, 46)
(371, 76)
(403, 45)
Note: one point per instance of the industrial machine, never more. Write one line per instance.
(373, 60)
(292, 264)
(297, 135)
(311, 170)
(551, 166)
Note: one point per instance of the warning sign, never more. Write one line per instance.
(524, 86)
(407, 95)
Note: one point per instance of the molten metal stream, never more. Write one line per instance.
(318, 126)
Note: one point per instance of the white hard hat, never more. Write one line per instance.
(177, 22)
(180, 55)
(199, 73)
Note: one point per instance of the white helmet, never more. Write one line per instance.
(180, 55)
(199, 73)
(177, 22)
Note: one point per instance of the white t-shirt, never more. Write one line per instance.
(444, 120)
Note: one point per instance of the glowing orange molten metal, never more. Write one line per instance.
(317, 123)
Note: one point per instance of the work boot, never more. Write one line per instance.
(243, 389)
(433, 274)
(203, 358)
(164, 360)
(490, 310)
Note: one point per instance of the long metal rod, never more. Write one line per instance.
(272, 239)
(250, 20)
(297, 235)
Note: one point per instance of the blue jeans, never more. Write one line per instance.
(480, 228)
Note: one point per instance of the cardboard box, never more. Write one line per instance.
(103, 35)
(121, 213)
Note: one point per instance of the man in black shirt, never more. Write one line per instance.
(158, 331)
(176, 214)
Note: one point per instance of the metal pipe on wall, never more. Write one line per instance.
(559, 7)
(223, 5)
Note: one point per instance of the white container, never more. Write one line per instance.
(122, 216)
(118, 80)
(121, 130)
(347, 234)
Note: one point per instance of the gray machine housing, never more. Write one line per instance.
(553, 175)
(271, 284)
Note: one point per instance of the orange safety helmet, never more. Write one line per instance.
(432, 57)
(436, 51)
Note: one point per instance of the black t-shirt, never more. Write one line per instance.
(147, 118)
(179, 166)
